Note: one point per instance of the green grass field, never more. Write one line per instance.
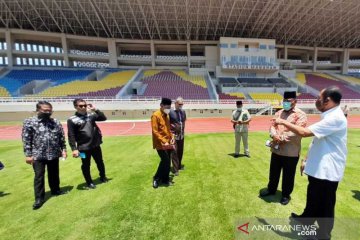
(208, 198)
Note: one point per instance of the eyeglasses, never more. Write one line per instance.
(82, 106)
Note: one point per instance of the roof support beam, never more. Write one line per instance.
(124, 18)
(228, 19)
(166, 21)
(87, 17)
(155, 21)
(76, 17)
(177, 20)
(52, 16)
(249, 17)
(12, 15)
(266, 8)
(336, 33)
(42, 20)
(145, 20)
(63, 15)
(208, 20)
(135, 19)
(316, 10)
(114, 19)
(101, 18)
(239, 17)
(219, 17)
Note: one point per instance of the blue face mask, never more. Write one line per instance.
(287, 106)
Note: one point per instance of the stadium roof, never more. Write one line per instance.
(323, 23)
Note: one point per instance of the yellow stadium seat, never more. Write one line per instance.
(4, 92)
(301, 77)
(113, 80)
(237, 94)
(272, 98)
(197, 80)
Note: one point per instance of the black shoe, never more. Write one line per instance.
(57, 193)
(155, 183)
(104, 179)
(266, 193)
(236, 155)
(285, 200)
(247, 155)
(37, 204)
(91, 186)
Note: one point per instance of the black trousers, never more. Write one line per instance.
(53, 177)
(176, 156)
(320, 205)
(163, 170)
(96, 153)
(180, 149)
(288, 167)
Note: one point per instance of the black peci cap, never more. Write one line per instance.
(166, 101)
(291, 94)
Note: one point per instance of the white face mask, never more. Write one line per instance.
(167, 111)
(239, 109)
(180, 107)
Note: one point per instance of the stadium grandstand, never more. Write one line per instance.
(209, 52)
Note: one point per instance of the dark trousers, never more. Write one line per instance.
(320, 205)
(53, 177)
(163, 170)
(288, 167)
(176, 156)
(96, 153)
(180, 149)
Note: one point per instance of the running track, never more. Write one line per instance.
(196, 125)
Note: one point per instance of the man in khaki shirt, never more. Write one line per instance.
(240, 119)
(163, 141)
(285, 149)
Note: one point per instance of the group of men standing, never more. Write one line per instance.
(324, 163)
(168, 133)
(44, 143)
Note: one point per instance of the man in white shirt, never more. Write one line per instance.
(240, 120)
(325, 162)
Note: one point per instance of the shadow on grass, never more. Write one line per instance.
(83, 186)
(65, 190)
(98, 181)
(271, 198)
(3, 194)
(356, 194)
(237, 156)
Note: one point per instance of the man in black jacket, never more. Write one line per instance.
(44, 142)
(85, 138)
